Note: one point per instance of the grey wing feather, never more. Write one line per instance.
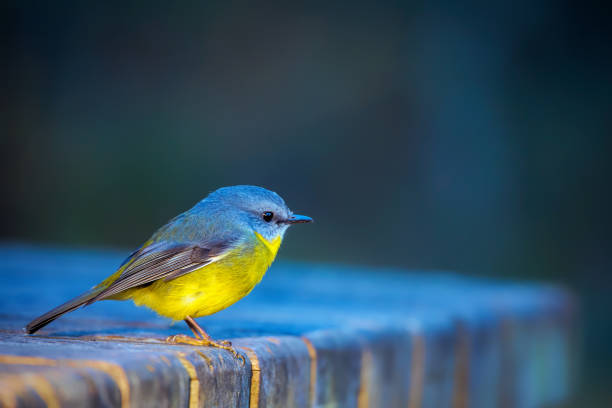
(159, 261)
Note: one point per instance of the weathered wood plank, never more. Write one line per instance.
(312, 335)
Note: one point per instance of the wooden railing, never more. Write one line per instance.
(312, 335)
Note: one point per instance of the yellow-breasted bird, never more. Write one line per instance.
(200, 262)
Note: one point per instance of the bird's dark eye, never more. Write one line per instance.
(267, 216)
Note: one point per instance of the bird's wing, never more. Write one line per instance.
(163, 261)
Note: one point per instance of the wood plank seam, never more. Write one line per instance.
(11, 387)
(255, 377)
(462, 367)
(114, 371)
(417, 371)
(365, 379)
(194, 381)
(312, 354)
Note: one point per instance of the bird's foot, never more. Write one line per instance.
(183, 339)
(222, 344)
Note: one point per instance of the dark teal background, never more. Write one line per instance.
(442, 135)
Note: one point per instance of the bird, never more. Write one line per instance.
(200, 262)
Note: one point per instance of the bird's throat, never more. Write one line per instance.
(272, 245)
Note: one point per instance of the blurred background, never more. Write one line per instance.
(466, 136)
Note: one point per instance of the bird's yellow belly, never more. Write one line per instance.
(211, 288)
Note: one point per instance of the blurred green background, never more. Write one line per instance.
(466, 136)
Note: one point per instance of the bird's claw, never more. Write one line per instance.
(182, 339)
(221, 344)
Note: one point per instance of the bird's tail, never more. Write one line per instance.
(61, 310)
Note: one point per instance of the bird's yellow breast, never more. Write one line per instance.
(213, 287)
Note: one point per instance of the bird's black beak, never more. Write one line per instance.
(298, 219)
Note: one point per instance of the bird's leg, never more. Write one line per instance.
(194, 328)
(202, 339)
(199, 332)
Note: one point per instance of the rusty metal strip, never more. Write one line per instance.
(365, 381)
(255, 377)
(417, 371)
(194, 381)
(312, 354)
(114, 371)
(462, 368)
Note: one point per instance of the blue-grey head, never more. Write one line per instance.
(261, 210)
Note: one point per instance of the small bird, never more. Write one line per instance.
(199, 263)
